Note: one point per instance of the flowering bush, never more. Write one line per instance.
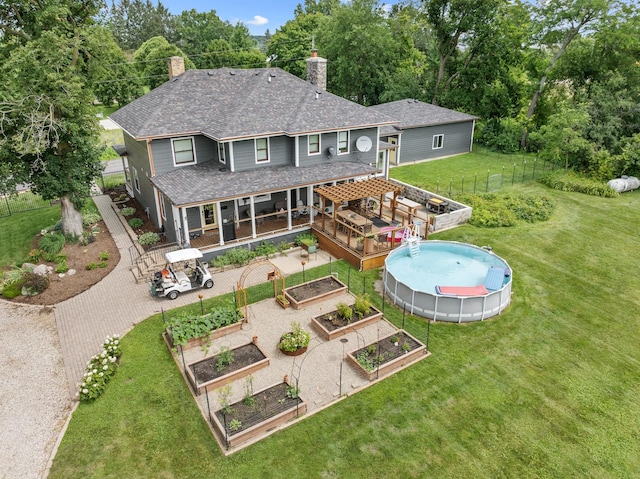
(100, 369)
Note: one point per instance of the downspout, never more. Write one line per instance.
(232, 163)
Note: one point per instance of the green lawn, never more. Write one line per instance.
(18, 230)
(548, 389)
(479, 171)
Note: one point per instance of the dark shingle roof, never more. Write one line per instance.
(208, 182)
(414, 113)
(226, 104)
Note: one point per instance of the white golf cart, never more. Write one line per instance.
(183, 272)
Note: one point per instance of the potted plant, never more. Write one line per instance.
(369, 244)
(294, 342)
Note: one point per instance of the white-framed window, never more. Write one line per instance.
(438, 142)
(221, 154)
(184, 152)
(262, 150)
(343, 142)
(136, 180)
(314, 144)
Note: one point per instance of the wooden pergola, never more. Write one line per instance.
(358, 190)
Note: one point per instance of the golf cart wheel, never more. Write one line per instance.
(209, 284)
(172, 295)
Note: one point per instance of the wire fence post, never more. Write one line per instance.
(475, 182)
(463, 184)
(524, 168)
(487, 187)
(513, 175)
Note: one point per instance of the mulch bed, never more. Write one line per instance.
(313, 289)
(262, 406)
(206, 370)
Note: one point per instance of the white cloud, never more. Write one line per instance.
(257, 21)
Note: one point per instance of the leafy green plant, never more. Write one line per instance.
(265, 249)
(345, 311)
(86, 238)
(234, 425)
(100, 370)
(224, 398)
(305, 238)
(91, 266)
(406, 347)
(128, 211)
(135, 223)
(90, 218)
(62, 267)
(186, 326)
(249, 399)
(362, 305)
(103, 264)
(149, 238)
(224, 358)
(104, 256)
(236, 256)
(292, 392)
(365, 361)
(51, 243)
(11, 283)
(295, 339)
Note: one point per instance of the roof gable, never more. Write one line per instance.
(227, 104)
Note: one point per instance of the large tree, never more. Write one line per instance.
(151, 61)
(133, 22)
(48, 135)
(556, 24)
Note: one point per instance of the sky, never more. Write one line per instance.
(256, 15)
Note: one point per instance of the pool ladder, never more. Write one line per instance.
(411, 237)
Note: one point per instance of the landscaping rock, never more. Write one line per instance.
(43, 270)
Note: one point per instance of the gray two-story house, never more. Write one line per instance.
(232, 155)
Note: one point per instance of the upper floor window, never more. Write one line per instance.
(221, 154)
(314, 144)
(184, 152)
(343, 142)
(262, 150)
(438, 141)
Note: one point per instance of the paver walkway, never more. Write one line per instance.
(117, 303)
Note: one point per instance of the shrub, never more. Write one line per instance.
(128, 211)
(237, 256)
(567, 180)
(135, 223)
(265, 249)
(34, 283)
(90, 218)
(305, 238)
(148, 239)
(11, 283)
(100, 369)
(51, 243)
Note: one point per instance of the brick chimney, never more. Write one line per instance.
(317, 70)
(176, 67)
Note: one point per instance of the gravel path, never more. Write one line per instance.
(34, 394)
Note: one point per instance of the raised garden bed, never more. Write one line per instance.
(331, 325)
(247, 359)
(250, 419)
(385, 356)
(204, 340)
(314, 291)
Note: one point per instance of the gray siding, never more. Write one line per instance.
(206, 150)
(138, 159)
(331, 140)
(280, 153)
(417, 143)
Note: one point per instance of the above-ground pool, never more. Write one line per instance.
(476, 281)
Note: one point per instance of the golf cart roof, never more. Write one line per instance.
(183, 255)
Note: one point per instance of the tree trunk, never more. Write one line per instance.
(71, 218)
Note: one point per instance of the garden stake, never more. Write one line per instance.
(184, 365)
(208, 406)
(487, 188)
(513, 175)
(428, 329)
